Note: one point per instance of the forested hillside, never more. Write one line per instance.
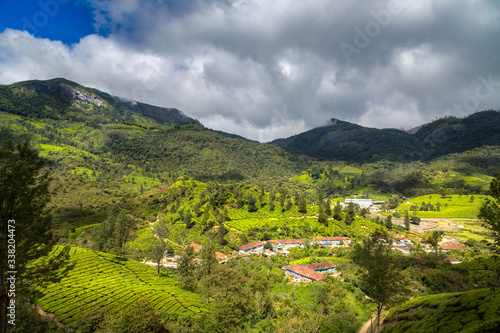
(350, 142)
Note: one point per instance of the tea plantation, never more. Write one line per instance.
(101, 282)
(444, 312)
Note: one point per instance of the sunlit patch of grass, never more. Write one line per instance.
(84, 171)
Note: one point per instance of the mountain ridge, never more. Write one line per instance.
(57, 98)
(342, 140)
(62, 99)
(58, 115)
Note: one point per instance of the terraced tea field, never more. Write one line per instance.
(101, 282)
(443, 313)
(291, 224)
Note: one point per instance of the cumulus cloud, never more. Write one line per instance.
(269, 69)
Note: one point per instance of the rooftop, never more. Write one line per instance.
(321, 266)
(287, 241)
(453, 260)
(306, 272)
(325, 239)
(453, 246)
(250, 245)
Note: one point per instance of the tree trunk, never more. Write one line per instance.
(4, 300)
(379, 310)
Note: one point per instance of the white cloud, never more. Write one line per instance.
(395, 111)
(267, 69)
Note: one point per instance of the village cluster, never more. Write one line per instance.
(314, 272)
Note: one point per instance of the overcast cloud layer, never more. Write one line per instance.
(267, 69)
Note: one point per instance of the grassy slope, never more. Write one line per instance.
(453, 206)
(101, 282)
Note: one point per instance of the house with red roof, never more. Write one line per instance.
(309, 273)
(332, 241)
(287, 243)
(283, 244)
(322, 267)
(302, 273)
(449, 246)
(452, 260)
(252, 247)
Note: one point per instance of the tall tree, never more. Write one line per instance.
(158, 252)
(24, 220)
(388, 222)
(322, 217)
(337, 212)
(433, 238)
(407, 221)
(232, 297)
(328, 208)
(222, 230)
(350, 213)
(122, 230)
(208, 258)
(283, 194)
(490, 214)
(251, 203)
(113, 233)
(380, 278)
(272, 196)
(188, 219)
(186, 268)
(302, 204)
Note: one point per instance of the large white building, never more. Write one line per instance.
(363, 203)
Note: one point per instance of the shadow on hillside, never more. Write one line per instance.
(49, 270)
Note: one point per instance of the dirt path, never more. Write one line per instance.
(50, 316)
(373, 321)
(366, 327)
(233, 229)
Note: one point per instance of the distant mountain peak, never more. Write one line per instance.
(59, 97)
(346, 141)
(333, 122)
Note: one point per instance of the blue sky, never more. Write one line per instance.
(62, 20)
(266, 69)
